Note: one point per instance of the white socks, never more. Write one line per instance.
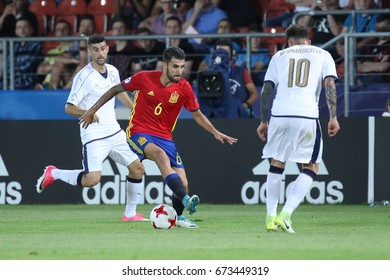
(133, 195)
(297, 192)
(68, 176)
(272, 189)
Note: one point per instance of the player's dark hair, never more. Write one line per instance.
(95, 39)
(296, 32)
(175, 52)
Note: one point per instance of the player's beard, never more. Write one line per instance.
(101, 61)
(172, 78)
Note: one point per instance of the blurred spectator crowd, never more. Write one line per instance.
(52, 64)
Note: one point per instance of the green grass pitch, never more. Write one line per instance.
(226, 232)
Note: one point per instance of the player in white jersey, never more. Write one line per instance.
(294, 133)
(104, 137)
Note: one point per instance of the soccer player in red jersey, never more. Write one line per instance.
(159, 98)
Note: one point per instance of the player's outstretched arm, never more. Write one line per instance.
(124, 98)
(87, 118)
(206, 124)
(75, 111)
(331, 100)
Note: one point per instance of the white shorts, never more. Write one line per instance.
(294, 139)
(115, 146)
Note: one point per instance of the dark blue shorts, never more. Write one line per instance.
(139, 141)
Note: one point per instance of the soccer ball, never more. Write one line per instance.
(163, 216)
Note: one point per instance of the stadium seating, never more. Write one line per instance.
(45, 10)
(280, 42)
(69, 10)
(72, 19)
(75, 7)
(275, 4)
(102, 10)
(271, 46)
(262, 5)
(272, 12)
(101, 7)
(275, 8)
(265, 42)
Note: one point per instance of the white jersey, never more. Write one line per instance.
(88, 86)
(297, 73)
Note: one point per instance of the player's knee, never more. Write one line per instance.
(277, 163)
(136, 170)
(90, 180)
(312, 166)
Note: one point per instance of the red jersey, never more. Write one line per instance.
(156, 107)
